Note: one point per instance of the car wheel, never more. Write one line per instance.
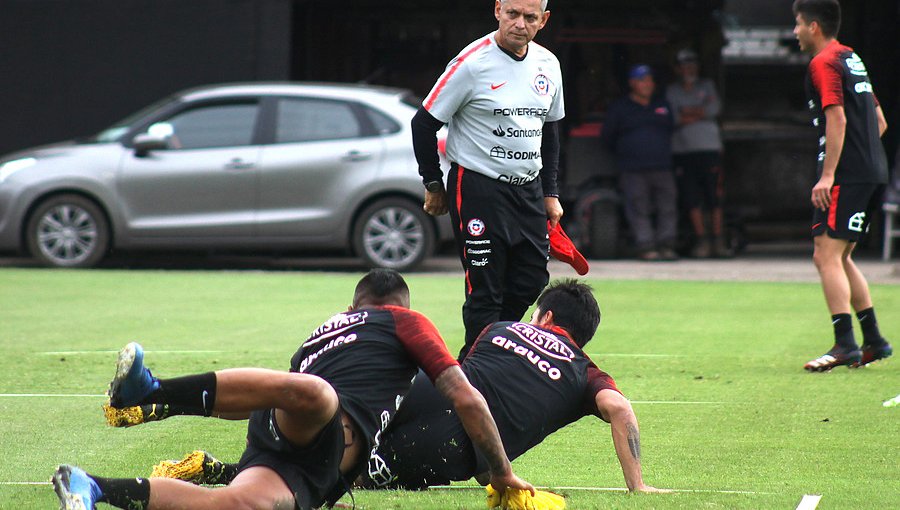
(393, 233)
(68, 231)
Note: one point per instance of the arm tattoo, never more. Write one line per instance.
(634, 441)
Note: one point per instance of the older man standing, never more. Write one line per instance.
(697, 153)
(501, 98)
(638, 130)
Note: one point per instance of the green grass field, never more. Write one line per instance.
(714, 370)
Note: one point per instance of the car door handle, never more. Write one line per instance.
(357, 156)
(238, 164)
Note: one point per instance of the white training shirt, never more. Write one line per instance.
(495, 107)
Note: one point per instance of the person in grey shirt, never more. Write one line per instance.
(697, 154)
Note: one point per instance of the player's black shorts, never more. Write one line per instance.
(431, 450)
(849, 214)
(309, 471)
(701, 179)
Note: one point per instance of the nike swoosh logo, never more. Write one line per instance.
(204, 395)
(497, 86)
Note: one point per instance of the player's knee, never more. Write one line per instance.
(824, 259)
(308, 394)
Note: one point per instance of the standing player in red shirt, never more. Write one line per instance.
(852, 167)
(310, 429)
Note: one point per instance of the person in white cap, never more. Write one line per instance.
(697, 154)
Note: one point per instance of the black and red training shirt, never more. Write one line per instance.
(370, 356)
(837, 76)
(535, 381)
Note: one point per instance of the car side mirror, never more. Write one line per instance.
(145, 142)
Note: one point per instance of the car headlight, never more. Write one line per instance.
(11, 167)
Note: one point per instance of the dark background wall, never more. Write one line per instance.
(69, 68)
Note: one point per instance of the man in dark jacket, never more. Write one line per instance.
(638, 130)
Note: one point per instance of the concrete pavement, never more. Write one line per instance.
(760, 269)
(776, 263)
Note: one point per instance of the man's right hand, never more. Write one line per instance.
(509, 480)
(436, 203)
(821, 192)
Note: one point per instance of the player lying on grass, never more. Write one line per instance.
(310, 429)
(536, 379)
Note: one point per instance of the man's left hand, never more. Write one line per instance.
(554, 210)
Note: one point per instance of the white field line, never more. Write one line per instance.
(88, 395)
(683, 402)
(73, 353)
(633, 355)
(809, 502)
(50, 395)
(600, 489)
(806, 498)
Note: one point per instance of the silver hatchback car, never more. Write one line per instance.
(260, 166)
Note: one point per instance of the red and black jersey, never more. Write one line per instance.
(837, 76)
(370, 357)
(535, 382)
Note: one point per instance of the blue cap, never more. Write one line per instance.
(639, 71)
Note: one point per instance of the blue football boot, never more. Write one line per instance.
(133, 381)
(75, 489)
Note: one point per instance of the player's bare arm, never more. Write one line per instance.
(473, 413)
(616, 409)
(835, 129)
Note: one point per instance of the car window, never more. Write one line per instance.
(305, 120)
(383, 124)
(114, 132)
(218, 125)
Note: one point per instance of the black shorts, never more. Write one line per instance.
(849, 214)
(701, 179)
(310, 471)
(432, 450)
(501, 238)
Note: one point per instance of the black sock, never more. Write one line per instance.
(190, 395)
(869, 325)
(130, 493)
(157, 412)
(843, 331)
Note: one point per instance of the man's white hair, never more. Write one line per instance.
(543, 4)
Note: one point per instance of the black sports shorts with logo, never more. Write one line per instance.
(309, 471)
(424, 445)
(849, 214)
(431, 450)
